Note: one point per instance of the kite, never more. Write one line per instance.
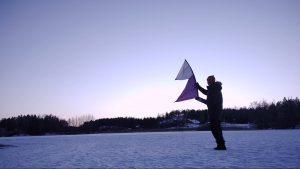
(190, 91)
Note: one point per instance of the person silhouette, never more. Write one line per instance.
(214, 102)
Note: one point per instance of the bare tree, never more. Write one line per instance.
(79, 120)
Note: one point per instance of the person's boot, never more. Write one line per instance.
(221, 147)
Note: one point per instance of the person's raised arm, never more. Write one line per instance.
(202, 90)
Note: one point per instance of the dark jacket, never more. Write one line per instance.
(214, 99)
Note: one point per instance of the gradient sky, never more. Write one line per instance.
(111, 58)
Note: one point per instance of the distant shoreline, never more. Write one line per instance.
(139, 131)
(280, 115)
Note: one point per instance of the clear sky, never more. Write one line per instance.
(112, 58)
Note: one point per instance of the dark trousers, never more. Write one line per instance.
(215, 127)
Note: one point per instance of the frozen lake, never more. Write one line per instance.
(246, 149)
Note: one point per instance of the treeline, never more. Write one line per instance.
(283, 114)
(32, 125)
(119, 124)
(280, 115)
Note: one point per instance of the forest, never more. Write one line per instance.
(283, 114)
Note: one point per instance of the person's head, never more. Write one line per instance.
(211, 79)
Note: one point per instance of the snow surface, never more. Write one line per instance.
(246, 149)
(241, 126)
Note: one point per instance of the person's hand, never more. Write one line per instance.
(197, 85)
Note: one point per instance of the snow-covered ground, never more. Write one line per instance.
(194, 124)
(246, 149)
(240, 126)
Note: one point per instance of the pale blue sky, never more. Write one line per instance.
(111, 58)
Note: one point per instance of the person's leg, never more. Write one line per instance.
(213, 129)
(219, 134)
(216, 130)
(219, 137)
